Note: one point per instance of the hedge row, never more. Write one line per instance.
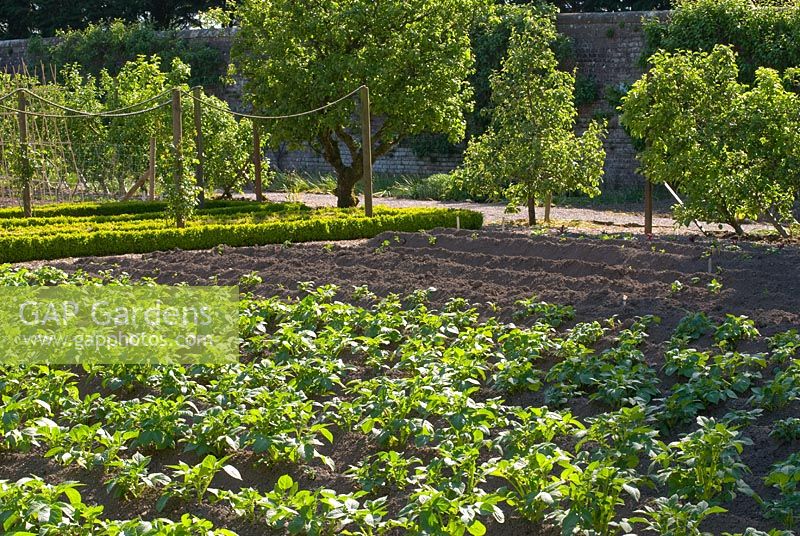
(117, 242)
(92, 225)
(115, 208)
(62, 225)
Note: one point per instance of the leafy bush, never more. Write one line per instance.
(530, 149)
(440, 187)
(110, 45)
(108, 209)
(764, 36)
(729, 147)
(107, 155)
(321, 226)
(705, 465)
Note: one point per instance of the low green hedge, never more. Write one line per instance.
(114, 208)
(117, 242)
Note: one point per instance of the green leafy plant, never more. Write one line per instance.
(673, 517)
(191, 482)
(729, 137)
(704, 465)
(550, 313)
(530, 149)
(533, 487)
(785, 476)
(131, 478)
(321, 511)
(593, 493)
(431, 99)
(786, 429)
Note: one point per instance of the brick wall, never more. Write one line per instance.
(607, 49)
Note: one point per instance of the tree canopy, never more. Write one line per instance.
(732, 149)
(530, 148)
(24, 18)
(414, 55)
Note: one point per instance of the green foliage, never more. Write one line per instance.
(690, 328)
(786, 429)
(530, 148)
(117, 236)
(594, 493)
(673, 517)
(297, 57)
(397, 370)
(551, 314)
(705, 465)
(785, 476)
(228, 163)
(131, 478)
(764, 33)
(107, 46)
(439, 187)
(533, 488)
(191, 482)
(110, 154)
(731, 149)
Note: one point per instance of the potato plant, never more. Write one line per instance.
(425, 391)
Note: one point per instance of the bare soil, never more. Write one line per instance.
(599, 276)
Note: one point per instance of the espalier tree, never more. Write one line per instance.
(413, 54)
(530, 148)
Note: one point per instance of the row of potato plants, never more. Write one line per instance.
(426, 389)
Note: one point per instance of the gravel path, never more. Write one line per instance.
(610, 220)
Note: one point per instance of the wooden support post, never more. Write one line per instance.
(648, 207)
(548, 203)
(177, 140)
(258, 185)
(151, 170)
(25, 171)
(198, 132)
(366, 150)
(138, 184)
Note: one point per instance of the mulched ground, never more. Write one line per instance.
(599, 277)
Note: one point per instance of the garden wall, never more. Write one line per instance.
(607, 49)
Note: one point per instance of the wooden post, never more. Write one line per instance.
(648, 207)
(151, 193)
(366, 150)
(257, 186)
(177, 139)
(26, 171)
(548, 203)
(198, 132)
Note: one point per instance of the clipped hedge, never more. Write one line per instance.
(158, 218)
(115, 208)
(117, 242)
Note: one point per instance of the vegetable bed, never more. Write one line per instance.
(423, 413)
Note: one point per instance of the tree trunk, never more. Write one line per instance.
(548, 202)
(736, 227)
(345, 183)
(771, 218)
(531, 211)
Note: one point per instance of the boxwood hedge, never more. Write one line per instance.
(326, 226)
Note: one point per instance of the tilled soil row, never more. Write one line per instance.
(599, 277)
